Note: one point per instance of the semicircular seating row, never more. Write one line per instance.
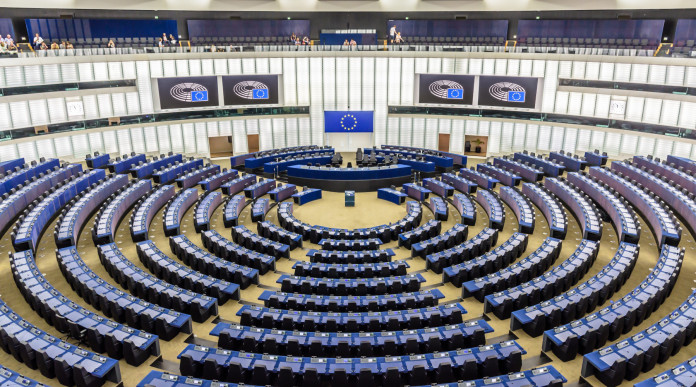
(349, 313)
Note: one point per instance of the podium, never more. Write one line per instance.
(350, 198)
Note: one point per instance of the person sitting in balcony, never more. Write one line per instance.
(346, 42)
(54, 46)
(172, 41)
(305, 41)
(37, 40)
(43, 46)
(9, 43)
(69, 45)
(165, 41)
(111, 44)
(398, 39)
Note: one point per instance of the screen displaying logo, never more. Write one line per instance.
(514, 92)
(446, 89)
(449, 89)
(348, 121)
(507, 92)
(189, 92)
(250, 89)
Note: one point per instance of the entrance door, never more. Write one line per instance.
(443, 142)
(253, 142)
(220, 146)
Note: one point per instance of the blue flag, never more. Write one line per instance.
(349, 121)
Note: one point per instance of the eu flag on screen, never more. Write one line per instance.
(348, 121)
(259, 94)
(516, 96)
(455, 93)
(199, 96)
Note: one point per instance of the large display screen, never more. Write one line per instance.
(446, 89)
(519, 92)
(250, 89)
(188, 92)
(349, 121)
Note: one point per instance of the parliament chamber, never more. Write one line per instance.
(503, 199)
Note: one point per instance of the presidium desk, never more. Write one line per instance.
(354, 179)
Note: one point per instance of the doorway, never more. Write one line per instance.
(252, 143)
(220, 146)
(443, 142)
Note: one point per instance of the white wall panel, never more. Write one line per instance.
(531, 139)
(329, 83)
(461, 65)
(394, 75)
(657, 74)
(565, 68)
(592, 70)
(137, 140)
(646, 145)
(629, 144)
(602, 105)
(302, 81)
(355, 83)
(342, 84)
(526, 68)
(177, 139)
(501, 67)
(578, 71)
(68, 72)
(124, 141)
(51, 73)
(638, 72)
(368, 83)
(432, 126)
(612, 142)
(405, 131)
(182, 68)
(27, 150)
(291, 133)
(115, 70)
(194, 66)
(606, 71)
(475, 66)
(670, 112)
(408, 78)
(634, 108)
(191, 140)
(164, 140)
(290, 81)
(513, 67)
(266, 134)
(570, 140)
(687, 115)
(20, 114)
(675, 75)
(457, 136)
(588, 104)
(550, 84)
(622, 72)
(239, 139)
(151, 143)
(278, 128)
(419, 132)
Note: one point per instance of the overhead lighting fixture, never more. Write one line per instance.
(156, 17)
(406, 17)
(288, 17)
(538, 17)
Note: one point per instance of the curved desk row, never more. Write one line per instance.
(355, 179)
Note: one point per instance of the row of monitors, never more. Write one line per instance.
(191, 92)
(447, 89)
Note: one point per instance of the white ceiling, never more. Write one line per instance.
(352, 5)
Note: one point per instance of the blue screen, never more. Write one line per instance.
(348, 121)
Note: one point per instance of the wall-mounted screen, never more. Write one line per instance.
(446, 89)
(349, 121)
(517, 92)
(187, 92)
(250, 89)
